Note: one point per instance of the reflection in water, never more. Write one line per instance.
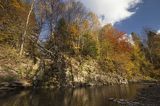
(91, 96)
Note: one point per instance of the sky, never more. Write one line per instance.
(127, 15)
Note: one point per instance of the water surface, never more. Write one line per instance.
(85, 96)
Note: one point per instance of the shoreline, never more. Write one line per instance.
(21, 85)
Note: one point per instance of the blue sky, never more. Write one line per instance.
(148, 15)
(127, 15)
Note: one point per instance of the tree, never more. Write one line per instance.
(153, 44)
(70, 21)
(26, 26)
(89, 45)
(115, 51)
(138, 56)
(13, 23)
(113, 40)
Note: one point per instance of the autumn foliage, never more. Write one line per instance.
(76, 32)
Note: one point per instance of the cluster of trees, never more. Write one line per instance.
(74, 31)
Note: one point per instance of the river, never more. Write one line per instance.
(84, 96)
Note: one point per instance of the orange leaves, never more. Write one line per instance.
(124, 46)
(117, 39)
(17, 4)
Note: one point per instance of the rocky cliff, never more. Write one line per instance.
(69, 71)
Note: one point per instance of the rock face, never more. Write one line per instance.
(14, 67)
(73, 72)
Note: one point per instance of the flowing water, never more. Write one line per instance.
(84, 96)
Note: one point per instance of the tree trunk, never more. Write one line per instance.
(26, 26)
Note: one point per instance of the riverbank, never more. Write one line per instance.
(13, 86)
(66, 70)
(79, 71)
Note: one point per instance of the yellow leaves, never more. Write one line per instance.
(73, 29)
(85, 24)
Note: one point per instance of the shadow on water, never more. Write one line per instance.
(90, 96)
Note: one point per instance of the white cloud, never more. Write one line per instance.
(113, 10)
(158, 31)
